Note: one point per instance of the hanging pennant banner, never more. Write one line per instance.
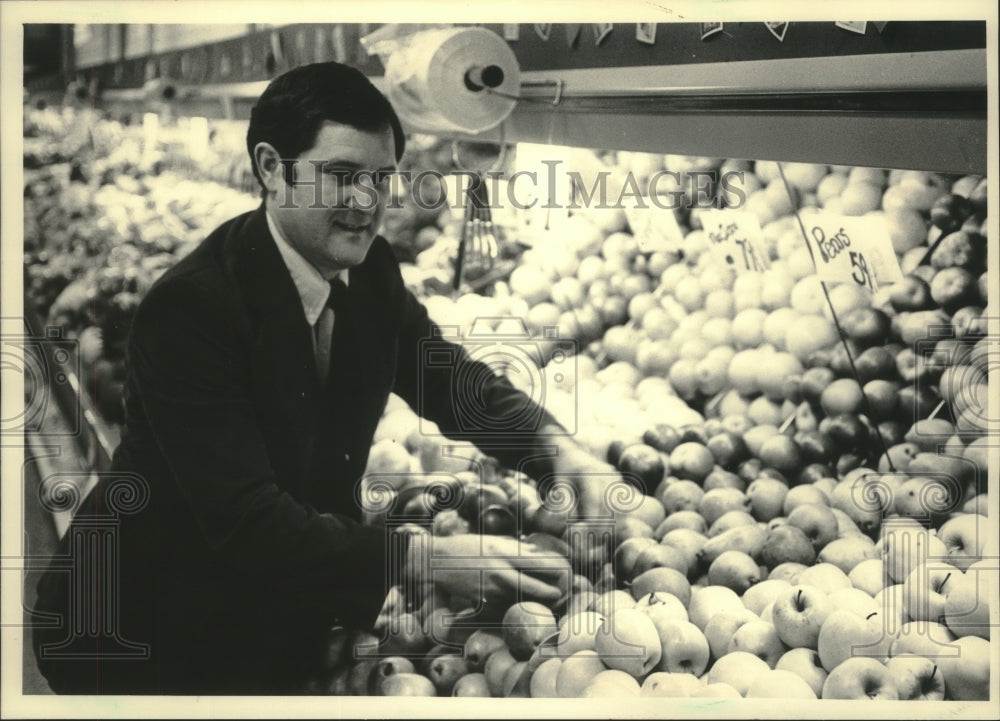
(778, 30)
(737, 239)
(572, 34)
(852, 26)
(543, 30)
(850, 249)
(601, 31)
(511, 32)
(646, 33)
(710, 29)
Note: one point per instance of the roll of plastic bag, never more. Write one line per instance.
(452, 80)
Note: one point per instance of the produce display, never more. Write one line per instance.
(806, 512)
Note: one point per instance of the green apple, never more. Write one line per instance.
(759, 638)
(854, 600)
(739, 669)
(662, 605)
(664, 579)
(825, 576)
(684, 648)
(629, 641)
(868, 576)
(663, 684)
(846, 635)
(543, 680)
(846, 553)
(384, 668)
(608, 602)
(916, 678)
(965, 536)
(471, 685)
(859, 678)
(805, 663)
(780, 684)
(710, 600)
(611, 684)
(478, 648)
(407, 684)
(496, 668)
(525, 625)
(967, 674)
(924, 590)
(799, 613)
(967, 601)
(735, 570)
(576, 673)
(721, 626)
(761, 594)
(903, 547)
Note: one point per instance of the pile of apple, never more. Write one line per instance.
(790, 532)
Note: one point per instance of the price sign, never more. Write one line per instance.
(736, 239)
(849, 249)
(654, 228)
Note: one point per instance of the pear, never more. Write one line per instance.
(749, 539)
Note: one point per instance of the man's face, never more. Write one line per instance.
(332, 224)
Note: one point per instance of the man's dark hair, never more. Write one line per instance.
(289, 113)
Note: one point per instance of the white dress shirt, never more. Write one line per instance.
(314, 290)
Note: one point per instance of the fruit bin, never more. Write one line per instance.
(769, 525)
(785, 511)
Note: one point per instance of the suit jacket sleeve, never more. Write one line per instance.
(189, 363)
(431, 392)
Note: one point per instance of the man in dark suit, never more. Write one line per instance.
(259, 367)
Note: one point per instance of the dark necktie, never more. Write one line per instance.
(339, 345)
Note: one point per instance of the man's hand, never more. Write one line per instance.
(486, 568)
(598, 488)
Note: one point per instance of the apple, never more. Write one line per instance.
(517, 681)
(688, 542)
(576, 672)
(720, 500)
(780, 684)
(664, 579)
(525, 626)
(689, 520)
(662, 684)
(729, 520)
(543, 680)
(967, 601)
(846, 553)
(681, 495)
(964, 536)
(610, 601)
(612, 683)
(643, 463)
(739, 669)
(868, 576)
(721, 626)
(767, 497)
(749, 539)
(735, 570)
(912, 294)
(860, 678)
(916, 678)
(662, 606)
(903, 547)
(628, 552)
(445, 671)
(817, 521)
(707, 601)
(660, 556)
(925, 638)
(684, 648)
(663, 437)
(759, 595)
(853, 600)
(788, 571)
(800, 495)
(384, 668)
(967, 673)
(786, 544)
(496, 668)
(691, 461)
(759, 638)
(799, 613)
(629, 641)
(805, 663)
(845, 634)
(924, 590)
(866, 326)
